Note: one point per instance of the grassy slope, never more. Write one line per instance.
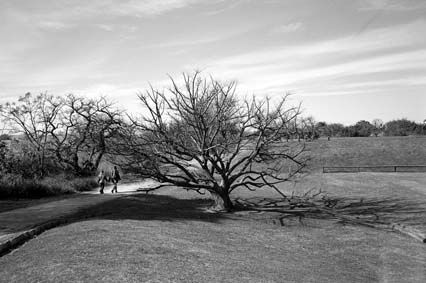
(368, 151)
(161, 239)
(143, 238)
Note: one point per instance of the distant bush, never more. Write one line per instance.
(402, 127)
(16, 186)
(363, 128)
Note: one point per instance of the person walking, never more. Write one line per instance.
(101, 181)
(115, 179)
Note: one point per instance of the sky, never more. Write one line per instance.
(345, 60)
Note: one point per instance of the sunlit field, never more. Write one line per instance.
(170, 236)
(368, 151)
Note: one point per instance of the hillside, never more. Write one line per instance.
(367, 151)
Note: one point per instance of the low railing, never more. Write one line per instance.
(378, 168)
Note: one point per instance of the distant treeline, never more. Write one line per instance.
(363, 128)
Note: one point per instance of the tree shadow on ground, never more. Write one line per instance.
(152, 207)
(373, 212)
(381, 210)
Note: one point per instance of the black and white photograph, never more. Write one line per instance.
(213, 141)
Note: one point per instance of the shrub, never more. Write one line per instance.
(72, 183)
(15, 186)
(401, 127)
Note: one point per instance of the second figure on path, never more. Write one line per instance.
(115, 178)
(101, 181)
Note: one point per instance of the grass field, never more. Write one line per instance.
(148, 238)
(171, 237)
(368, 151)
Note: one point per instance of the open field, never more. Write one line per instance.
(161, 239)
(171, 236)
(368, 151)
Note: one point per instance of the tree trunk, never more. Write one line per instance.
(222, 202)
(101, 150)
(75, 164)
(42, 163)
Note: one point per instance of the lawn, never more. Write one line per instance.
(170, 236)
(161, 239)
(409, 150)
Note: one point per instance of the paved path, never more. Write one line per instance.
(21, 219)
(19, 225)
(125, 188)
(18, 220)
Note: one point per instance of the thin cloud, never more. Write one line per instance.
(392, 5)
(192, 41)
(288, 28)
(105, 27)
(54, 25)
(284, 77)
(392, 50)
(77, 10)
(229, 5)
(147, 7)
(381, 39)
(184, 42)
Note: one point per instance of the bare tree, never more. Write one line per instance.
(82, 130)
(64, 129)
(35, 117)
(309, 128)
(200, 137)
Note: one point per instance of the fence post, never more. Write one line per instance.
(394, 168)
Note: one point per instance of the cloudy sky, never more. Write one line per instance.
(345, 59)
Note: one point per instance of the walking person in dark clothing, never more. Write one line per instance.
(101, 181)
(115, 177)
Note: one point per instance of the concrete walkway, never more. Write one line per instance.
(126, 188)
(19, 225)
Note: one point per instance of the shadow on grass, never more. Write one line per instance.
(377, 212)
(385, 210)
(373, 212)
(151, 207)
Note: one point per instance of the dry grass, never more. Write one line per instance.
(161, 239)
(368, 151)
(13, 186)
(170, 237)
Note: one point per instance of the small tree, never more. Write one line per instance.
(378, 126)
(363, 129)
(200, 137)
(336, 129)
(310, 127)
